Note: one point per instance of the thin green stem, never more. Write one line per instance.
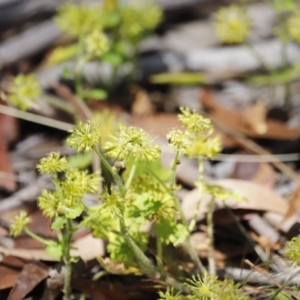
(58, 104)
(259, 58)
(200, 192)
(36, 237)
(131, 175)
(116, 176)
(67, 260)
(210, 232)
(159, 252)
(187, 243)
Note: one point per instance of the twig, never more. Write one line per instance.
(34, 118)
(266, 274)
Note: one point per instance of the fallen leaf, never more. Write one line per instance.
(142, 105)
(86, 247)
(257, 198)
(10, 267)
(235, 120)
(31, 275)
(293, 206)
(255, 118)
(7, 133)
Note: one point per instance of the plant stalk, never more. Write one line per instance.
(210, 231)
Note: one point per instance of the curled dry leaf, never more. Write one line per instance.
(255, 118)
(257, 198)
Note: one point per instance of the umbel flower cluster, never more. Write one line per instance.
(232, 24)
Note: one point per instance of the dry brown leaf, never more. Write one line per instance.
(10, 268)
(8, 132)
(235, 121)
(255, 118)
(86, 247)
(293, 206)
(258, 198)
(142, 105)
(31, 275)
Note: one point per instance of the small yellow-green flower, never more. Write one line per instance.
(96, 43)
(204, 288)
(293, 26)
(132, 142)
(19, 223)
(179, 140)
(24, 91)
(78, 19)
(85, 137)
(169, 294)
(53, 163)
(193, 121)
(48, 202)
(139, 17)
(113, 203)
(292, 250)
(232, 24)
(203, 146)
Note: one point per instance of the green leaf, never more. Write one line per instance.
(74, 212)
(80, 161)
(97, 94)
(171, 232)
(58, 223)
(113, 58)
(54, 250)
(61, 54)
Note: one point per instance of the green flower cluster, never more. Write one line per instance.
(24, 90)
(207, 287)
(78, 19)
(197, 140)
(97, 43)
(19, 223)
(85, 137)
(232, 24)
(292, 250)
(132, 142)
(67, 198)
(138, 18)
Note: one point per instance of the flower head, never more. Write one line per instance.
(139, 17)
(206, 147)
(293, 26)
(19, 223)
(48, 202)
(53, 163)
(169, 294)
(193, 121)
(132, 142)
(24, 91)
(204, 288)
(78, 19)
(179, 141)
(292, 250)
(232, 24)
(96, 43)
(85, 137)
(67, 198)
